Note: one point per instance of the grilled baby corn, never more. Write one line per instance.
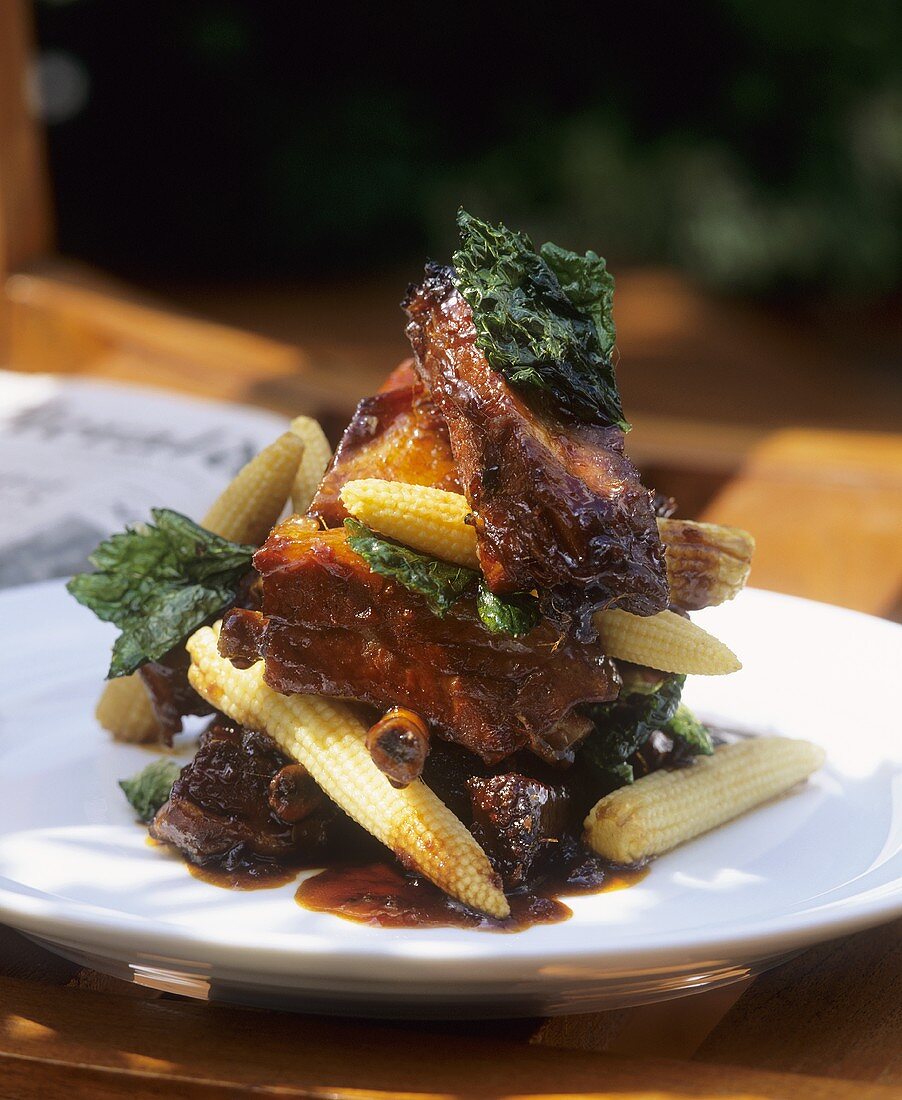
(429, 520)
(707, 564)
(667, 808)
(665, 641)
(250, 504)
(124, 709)
(331, 744)
(314, 461)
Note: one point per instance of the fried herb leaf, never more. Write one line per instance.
(439, 583)
(442, 584)
(552, 341)
(150, 787)
(158, 582)
(623, 727)
(515, 615)
(684, 726)
(588, 284)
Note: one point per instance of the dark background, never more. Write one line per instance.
(756, 147)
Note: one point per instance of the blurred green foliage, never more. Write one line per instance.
(757, 146)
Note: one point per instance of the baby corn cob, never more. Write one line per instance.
(667, 808)
(665, 641)
(426, 519)
(707, 564)
(251, 503)
(124, 709)
(331, 744)
(314, 461)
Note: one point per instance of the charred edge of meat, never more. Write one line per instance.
(399, 745)
(515, 819)
(397, 435)
(294, 794)
(171, 696)
(219, 811)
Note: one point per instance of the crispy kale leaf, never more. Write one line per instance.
(515, 615)
(439, 583)
(685, 727)
(158, 582)
(442, 584)
(588, 284)
(150, 787)
(623, 727)
(550, 337)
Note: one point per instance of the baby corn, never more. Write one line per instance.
(251, 503)
(667, 808)
(330, 742)
(707, 564)
(426, 519)
(665, 641)
(314, 461)
(124, 709)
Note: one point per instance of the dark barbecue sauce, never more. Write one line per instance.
(252, 875)
(381, 894)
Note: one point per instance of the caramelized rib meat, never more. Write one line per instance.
(219, 809)
(330, 626)
(516, 819)
(171, 696)
(396, 435)
(559, 507)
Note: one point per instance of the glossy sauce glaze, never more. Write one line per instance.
(381, 894)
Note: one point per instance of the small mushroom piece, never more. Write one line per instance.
(293, 794)
(399, 745)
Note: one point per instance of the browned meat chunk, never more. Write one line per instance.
(171, 696)
(331, 626)
(515, 819)
(396, 435)
(560, 507)
(220, 811)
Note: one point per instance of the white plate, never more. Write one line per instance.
(76, 873)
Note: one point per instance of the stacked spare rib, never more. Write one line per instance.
(558, 510)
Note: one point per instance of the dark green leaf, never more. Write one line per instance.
(442, 584)
(515, 615)
(553, 341)
(588, 284)
(439, 583)
(623, 727)
(158, 582)
(685, 727)
(149, 789)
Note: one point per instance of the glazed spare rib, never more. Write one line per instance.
(557, 505)
(332, 626)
